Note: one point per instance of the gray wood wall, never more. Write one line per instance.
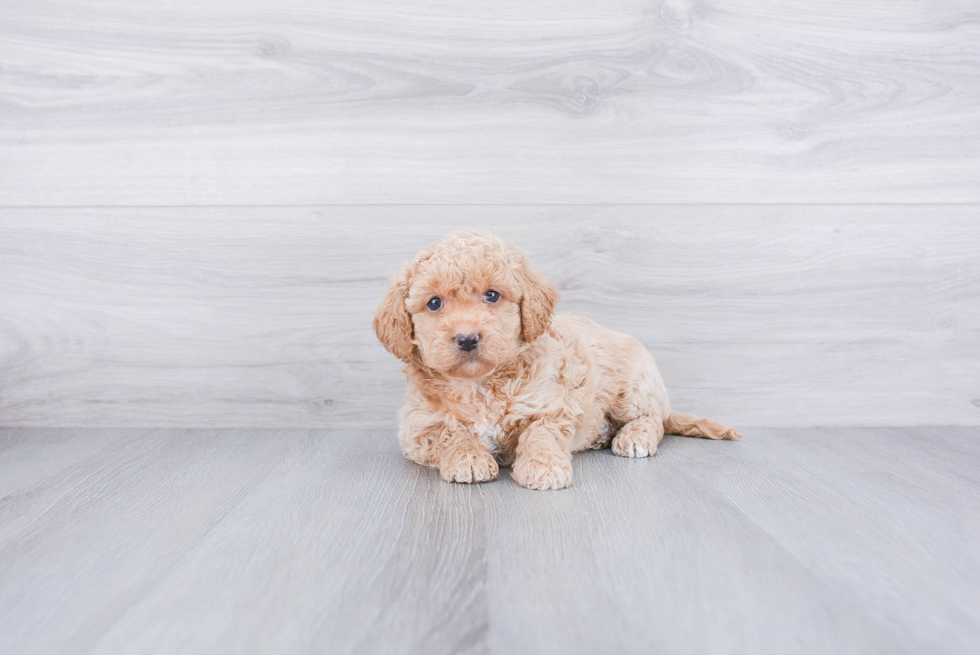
(201, 203)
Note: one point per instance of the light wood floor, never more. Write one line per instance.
(319, 541)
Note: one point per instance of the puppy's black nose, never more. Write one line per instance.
(467, 342)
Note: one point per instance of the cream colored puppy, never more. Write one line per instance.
(494, 377)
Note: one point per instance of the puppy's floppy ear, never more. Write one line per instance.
(537, 304)
(392, 322)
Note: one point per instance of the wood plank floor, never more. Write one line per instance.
(843, 540)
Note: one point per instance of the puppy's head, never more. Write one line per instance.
(467, 304)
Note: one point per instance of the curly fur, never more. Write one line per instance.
(538, 387)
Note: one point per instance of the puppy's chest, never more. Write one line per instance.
(487, 413)
(488, 422)
(492, 437)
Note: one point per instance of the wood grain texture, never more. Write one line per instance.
(213, 541)
(759, 315)
(315, 102)
(91, 535)
(346, 547)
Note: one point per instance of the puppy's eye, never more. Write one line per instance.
(434, 305)
(491, 296)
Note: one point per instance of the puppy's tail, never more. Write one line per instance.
(690, 425)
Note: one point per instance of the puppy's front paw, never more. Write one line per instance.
(543, 470)
(462, 464)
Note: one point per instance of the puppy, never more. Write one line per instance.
(495, 378)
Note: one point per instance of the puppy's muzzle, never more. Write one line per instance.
(467, 342)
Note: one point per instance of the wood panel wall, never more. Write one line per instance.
(200, 203)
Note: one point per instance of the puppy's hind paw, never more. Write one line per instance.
(468, 465)
(629, 448)
(637, 439)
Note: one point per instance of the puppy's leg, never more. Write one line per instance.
(641, 409)
(446, 444)
(544, 455)
(465, 458)
(421, 433)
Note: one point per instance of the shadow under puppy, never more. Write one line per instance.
(494, 376)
